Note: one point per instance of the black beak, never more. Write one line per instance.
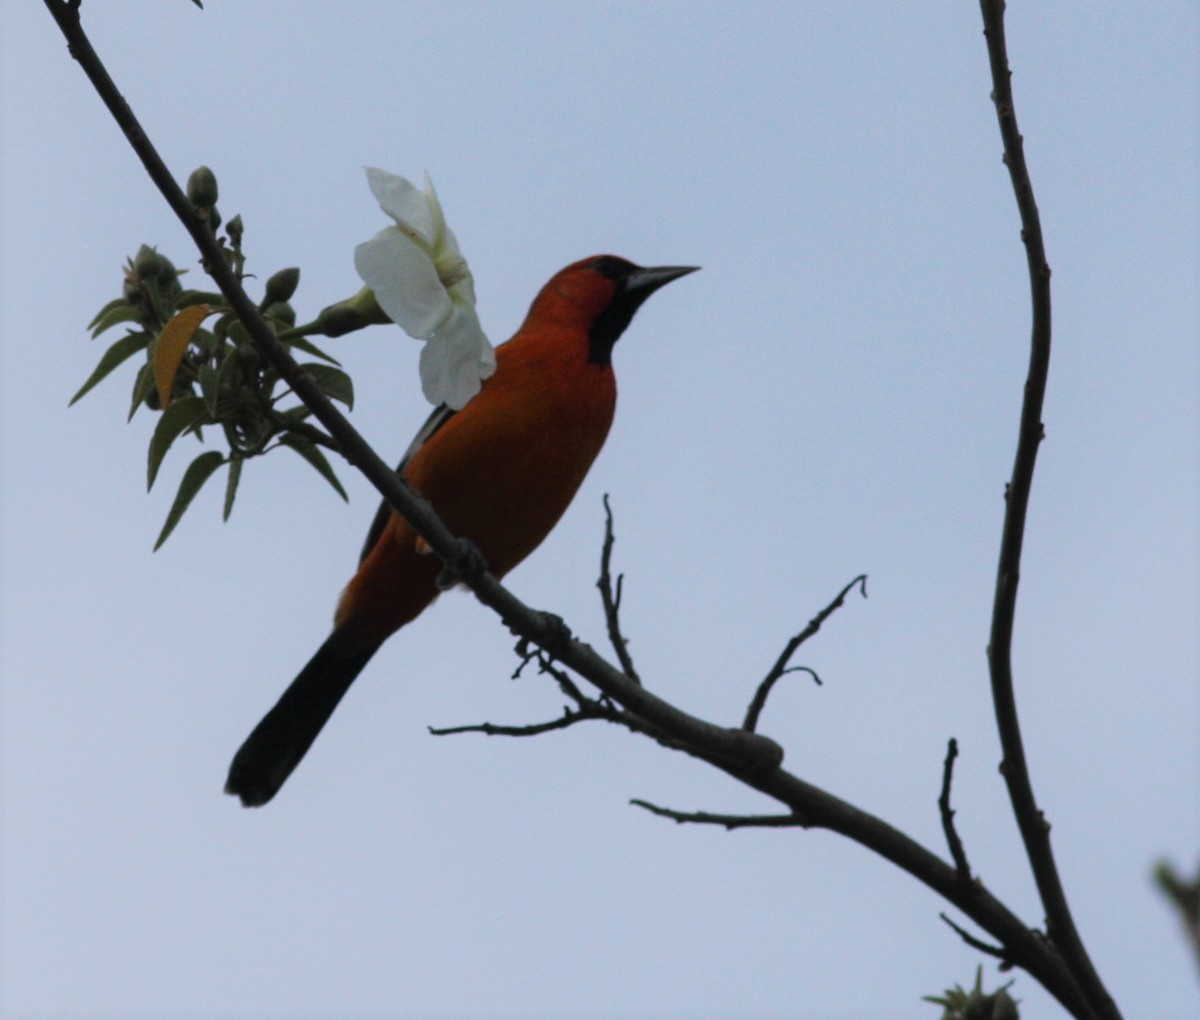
(634, 287)
(644, 282)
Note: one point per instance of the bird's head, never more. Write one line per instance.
(600, 295)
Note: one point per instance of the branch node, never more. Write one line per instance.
(762, 754)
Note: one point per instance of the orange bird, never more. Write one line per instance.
(500, 472)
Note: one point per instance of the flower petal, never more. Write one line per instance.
(449, 244)
(409, 207)
(419, 278)
(405, 282)
(456, 360)
(437, 217)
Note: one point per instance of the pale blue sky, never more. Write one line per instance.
(836, 392)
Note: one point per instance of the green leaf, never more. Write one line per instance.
(312, 453)
(125, 312)
(297, 413)
(229, 376)
(185, 413)
(188, 298)
(267, 380)
(124, 348)
(208, 379)
(117, 302)
(206, 340)
(199, 471)
(334, 383)
(231, 484)
(143, 386)
(310, 348)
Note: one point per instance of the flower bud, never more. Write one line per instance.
(1004, 1007)
(357, 312)
(249, 358)
(167, 273)
(282, 312)
(148, 264)
(202, 188)
(233, 228)
(239, 334)
(282, 286)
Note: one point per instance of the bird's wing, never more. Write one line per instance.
(435, 421)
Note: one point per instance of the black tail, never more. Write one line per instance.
(285, 734)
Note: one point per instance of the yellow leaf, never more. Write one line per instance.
(172, 342)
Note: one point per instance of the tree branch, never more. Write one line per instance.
(947, 813)
(568, 718)
(1035, 830)
(974, 943)
(729, 822)
(612, 599)
(759, 701)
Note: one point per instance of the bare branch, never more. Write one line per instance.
(530, 653)
(805, 669)
(1035, 832)
(568, 718)
(974, 943)
(759, 701)
(603, 707)
(947, 813)
(725, 821)
(612, 599)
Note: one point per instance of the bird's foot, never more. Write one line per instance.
(467, 566)
(558, 634)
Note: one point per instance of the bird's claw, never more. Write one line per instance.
(557, 634)
(467, 566)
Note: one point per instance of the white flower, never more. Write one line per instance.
(422, 282)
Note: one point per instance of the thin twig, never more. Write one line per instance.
(974, 943)
(759, 701)
(611, 598)
(947, 813)
(603, 707)
(545, 663)
(725, 821)
(1035, 831)
(568, 718)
